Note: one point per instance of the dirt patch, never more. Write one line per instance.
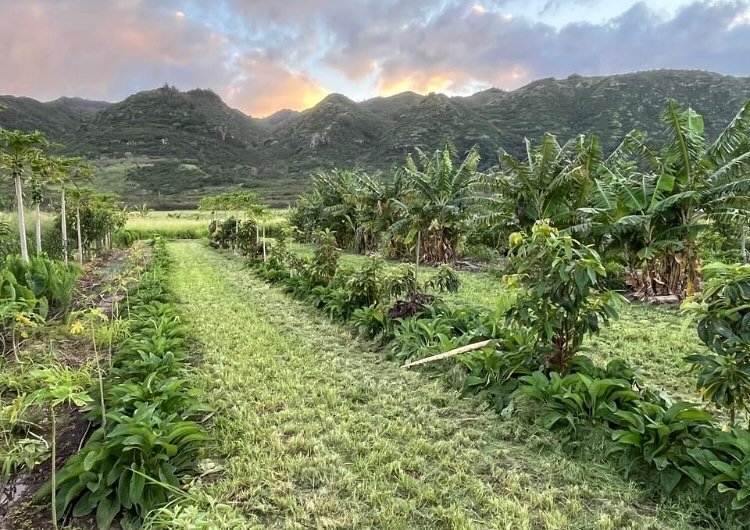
(17, 509)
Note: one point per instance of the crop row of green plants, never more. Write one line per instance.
(32, 293)
(527, 350)
(147, 436)
(652, 209)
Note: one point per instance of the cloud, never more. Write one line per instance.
(463, 46)
(262, 55)
(75, 47)
(263, 86)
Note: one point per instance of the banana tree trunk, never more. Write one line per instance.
(38, 230)
(64, 226)
(21, 218)
(743, 245)
(80, 239)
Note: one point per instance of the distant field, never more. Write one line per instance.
(188, 224)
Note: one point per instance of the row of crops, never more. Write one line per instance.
(578, 230)
(123, 379)
(525, 353)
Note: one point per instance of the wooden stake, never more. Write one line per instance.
(451, 353)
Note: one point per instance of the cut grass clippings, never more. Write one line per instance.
(318, 430)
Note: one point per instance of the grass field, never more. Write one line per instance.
(317, 430)
(186, 224)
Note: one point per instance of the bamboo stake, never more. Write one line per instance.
(451, 353)
(416, 266)
(78, 230)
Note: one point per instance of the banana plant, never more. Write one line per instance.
(677, 190)
(436, 203)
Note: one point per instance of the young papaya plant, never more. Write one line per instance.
(60, 385)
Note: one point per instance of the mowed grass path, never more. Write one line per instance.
(317, 430)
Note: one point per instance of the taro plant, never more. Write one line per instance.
(557, 281)
(722, 311)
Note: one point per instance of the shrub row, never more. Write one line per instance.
(676, 443)
(149, 437)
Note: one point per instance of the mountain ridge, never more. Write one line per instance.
(180, 145)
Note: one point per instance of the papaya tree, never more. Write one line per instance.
(17, 151)
(72, 170)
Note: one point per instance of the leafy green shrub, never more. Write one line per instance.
(8, 241)
(494, 371)
(723, 314)
(125, 468)
(124, 238)
(372, 322)
(556, 279)
(577, 397)
(399, 280)
(51, 282)
(726, 457)
(662, 438)
(445, 279)
(364, 285)
(325, 260)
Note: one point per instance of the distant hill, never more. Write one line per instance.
(169, 147)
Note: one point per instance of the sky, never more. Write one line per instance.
(264, 55)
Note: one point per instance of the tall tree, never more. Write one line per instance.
(17, 152)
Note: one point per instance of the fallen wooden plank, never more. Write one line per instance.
(451, 353)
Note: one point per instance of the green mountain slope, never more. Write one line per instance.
(169, 147)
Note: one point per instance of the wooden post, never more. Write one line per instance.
(264, 243)
(416, 268)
